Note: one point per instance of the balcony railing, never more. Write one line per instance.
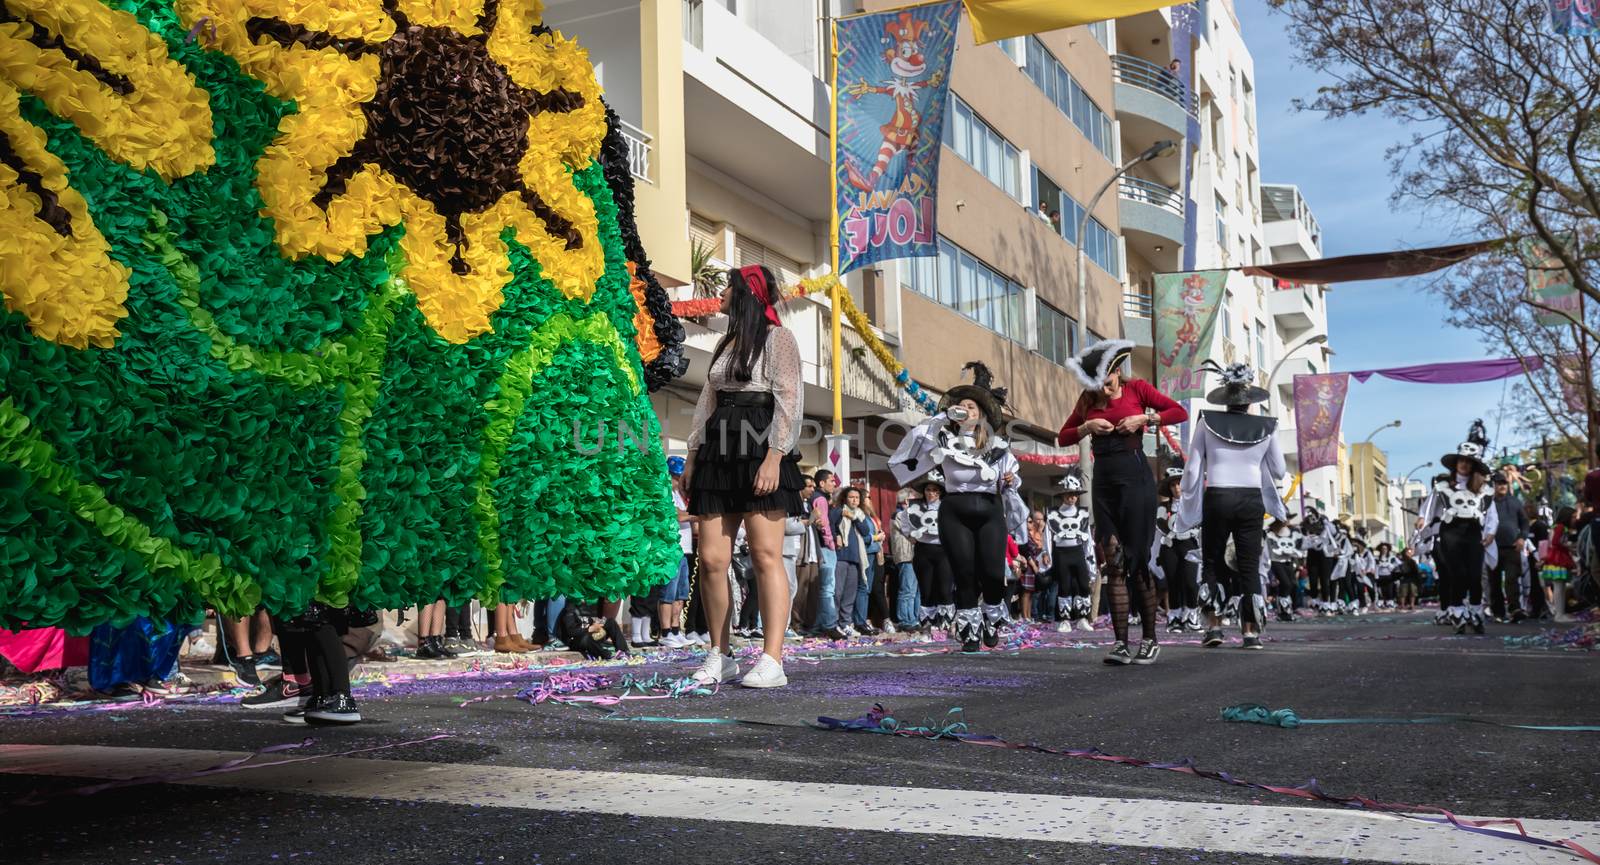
(1137, 304)
(694, 23)
(638, 151)
(1151, 193)
(1141, 73)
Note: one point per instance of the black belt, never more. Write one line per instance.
(1110, 445)
(746, 398)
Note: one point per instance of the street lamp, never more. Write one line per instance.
(1318, 339)
(1154, 151)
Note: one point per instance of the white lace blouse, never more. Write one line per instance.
(776, 371)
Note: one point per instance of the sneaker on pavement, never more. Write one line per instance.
(674, 640)
(297, 715)
(1063, 627)
(277, 694)
(1149, 650)
(767, 673)
(337, 709)
(1119, 655)
(1212, 639)
(890, 629)
(1252, 641)
(1085, 625)
(716, 669)
(703, 638)
(269, 660)
(244, 669)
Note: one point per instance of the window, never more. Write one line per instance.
(787, 270)
(1056, 330)
(1101, 31)
(1013, 48)
(971, 288)
(703, 232)
(1222, 224)
(1261, 347)
(983, 148)
(1063, 213)
(1226, 320)
(1069, 98)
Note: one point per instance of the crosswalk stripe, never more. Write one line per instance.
(1257, 830)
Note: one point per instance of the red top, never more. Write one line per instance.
(1557, 554)
(1137, 395)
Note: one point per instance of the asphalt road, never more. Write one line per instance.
(488, 798)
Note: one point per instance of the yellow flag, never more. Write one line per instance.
(1002, 19)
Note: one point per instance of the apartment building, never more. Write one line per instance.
(728, 105)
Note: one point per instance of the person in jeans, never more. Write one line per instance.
(852, 531)
(676, 591)
(870, 605)
(902, 548)
(827, 551)
(1505, 578)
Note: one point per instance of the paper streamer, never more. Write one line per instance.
(880, 721)
(1254, 713)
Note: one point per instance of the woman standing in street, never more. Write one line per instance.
(1115, 413)
(1462, 519)
(738, 478)
(981, 507)
(1177, 555)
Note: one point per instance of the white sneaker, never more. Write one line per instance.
(767, 673)
(674, 641)
(1084, 625)
(1063, 627)
(716, 669)
(889, 628)
(703, 638)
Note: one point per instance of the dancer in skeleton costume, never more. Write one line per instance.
(1071, 535)
(1364, 585)
(1316, 542)
(1343, 552)
(1229, 488)
(1283, 546)
(981, 504)
(1176, 557)
(1387, 565)
(1462, 512)
(920, 522)
(1114, 414)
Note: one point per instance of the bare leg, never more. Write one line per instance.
(237, 634)
(716, 554)
(261, 625)
(1027, 605)
(765, 534)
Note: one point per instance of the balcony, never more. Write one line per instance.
(1293, 310)
(1152, 221)
(1137, 310)
(638, 151)
(1151, 103)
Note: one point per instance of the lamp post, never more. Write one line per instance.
(1154, 151)
(1394, 424)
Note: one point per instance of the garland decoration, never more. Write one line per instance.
(318, 302)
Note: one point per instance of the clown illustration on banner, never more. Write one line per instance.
(1185, 322)
(891, 81)
(1318, 410)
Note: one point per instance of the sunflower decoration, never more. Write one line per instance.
(460, 119)
(102, 70)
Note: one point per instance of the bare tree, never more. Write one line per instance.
(1508, 120)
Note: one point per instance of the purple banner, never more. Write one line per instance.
(1318, 409)
(1460, 372)
(891, 83)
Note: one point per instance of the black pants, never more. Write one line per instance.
(972, 528)
(1505, 582)
(1125, 507)
(1283, 578)
(934, 580)
(1183, 576)
(1458, 557)
(1318, 569)
(1235, 512)
(458, 621)
(1070, 569)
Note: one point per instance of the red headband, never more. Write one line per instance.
(756, 278)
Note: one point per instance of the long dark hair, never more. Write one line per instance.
(747, 324)
(1567, 517)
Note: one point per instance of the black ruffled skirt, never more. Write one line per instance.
(732, 446)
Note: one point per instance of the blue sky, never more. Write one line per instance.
(1340, 168)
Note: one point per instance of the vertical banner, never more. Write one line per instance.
(1573, 17)
(1549, 283)
(1318, 409)
(1569, 369)
(891, 83)
(1185, 322)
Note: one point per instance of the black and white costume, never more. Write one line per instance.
(1364, 567)
(1285, 552)
(980, 506)
(1387, 565)
(919, 521)
(1229, 488)
(1463, 525)
(1175, 559)
(1317, 541)
(1070, 532)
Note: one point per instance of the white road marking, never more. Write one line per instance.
(1256, 830)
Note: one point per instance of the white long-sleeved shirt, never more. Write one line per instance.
(932, 444)
(776, 371)
(1217, 463)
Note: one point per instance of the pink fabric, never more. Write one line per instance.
(43, 649)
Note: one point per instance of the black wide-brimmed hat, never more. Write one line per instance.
(1096, 363)
(1071, 483)
(991, 400)
(1238, 384)
(1174, 467)
(1473, 449)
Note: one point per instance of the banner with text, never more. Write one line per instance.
(1184, 320)
(891, 83)
(1318, 409)
(1549, 283)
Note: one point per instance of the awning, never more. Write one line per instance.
(1371, 265)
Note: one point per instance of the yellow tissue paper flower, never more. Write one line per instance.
(457, 117)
